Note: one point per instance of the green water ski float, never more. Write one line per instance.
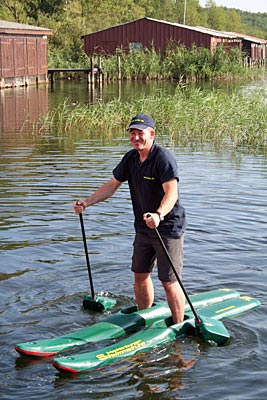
(126, 321)
(159, 333)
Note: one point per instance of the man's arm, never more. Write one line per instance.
(170, 197)
(167, 203)
(102, 193)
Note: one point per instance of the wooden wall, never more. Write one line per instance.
(23, 60)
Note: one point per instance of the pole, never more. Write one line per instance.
(184, 11)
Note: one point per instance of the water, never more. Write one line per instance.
(43, 274)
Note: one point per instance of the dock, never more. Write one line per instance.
(89, 72)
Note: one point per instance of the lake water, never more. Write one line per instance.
(43, 274)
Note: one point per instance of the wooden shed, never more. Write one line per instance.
(254, 48)
(148, 32)
(23, 54)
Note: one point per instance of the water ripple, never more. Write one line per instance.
(44, 277)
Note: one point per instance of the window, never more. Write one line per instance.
(136, 46)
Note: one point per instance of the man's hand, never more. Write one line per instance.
(152, 220)
(79, 206)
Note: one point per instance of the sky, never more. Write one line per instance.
(244, 5)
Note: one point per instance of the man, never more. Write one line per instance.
(152, 175)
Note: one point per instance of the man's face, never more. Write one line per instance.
(142, 140)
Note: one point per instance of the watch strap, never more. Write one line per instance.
(161, 217)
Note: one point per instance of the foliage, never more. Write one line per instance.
(256, 23)
(70, 19)
(190, 116)
(13, 10)
(188, 65)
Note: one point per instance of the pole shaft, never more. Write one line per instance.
(87, 257)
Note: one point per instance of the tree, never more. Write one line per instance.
(216, 16)
(70, 19)
(194, 15)
(13, 10)
(233, 22)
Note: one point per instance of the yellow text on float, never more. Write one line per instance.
(121, 350)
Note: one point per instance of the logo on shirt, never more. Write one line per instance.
(149, 178)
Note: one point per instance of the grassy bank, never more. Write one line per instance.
(189, 117)
(188, 65)
(179, 63)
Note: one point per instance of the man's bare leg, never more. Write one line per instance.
(176, 300)
(144, 290)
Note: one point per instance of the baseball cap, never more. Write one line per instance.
(141, 121)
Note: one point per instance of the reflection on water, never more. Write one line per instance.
(43, 274)
(21, 107)
(4, 276)
(79, 92)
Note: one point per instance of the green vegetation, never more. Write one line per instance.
(189, 117)
(70, 19)
(179, 63)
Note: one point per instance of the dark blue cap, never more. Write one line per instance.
(141, 121)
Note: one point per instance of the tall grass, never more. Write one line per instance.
(179, 62)
(190, 116)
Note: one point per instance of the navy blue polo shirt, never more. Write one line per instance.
(145, 182)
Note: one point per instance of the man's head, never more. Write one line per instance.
(142, 132)
(141, 122)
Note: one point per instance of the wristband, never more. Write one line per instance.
(161, 217)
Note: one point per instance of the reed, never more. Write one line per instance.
(190, 116)
(179, 62)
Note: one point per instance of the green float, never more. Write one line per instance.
(157, 334)
(126, 321)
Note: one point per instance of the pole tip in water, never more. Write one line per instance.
(99, 303)
(212, 331)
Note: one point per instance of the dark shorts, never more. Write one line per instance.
(148, 251)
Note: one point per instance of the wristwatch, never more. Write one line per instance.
(161, 217)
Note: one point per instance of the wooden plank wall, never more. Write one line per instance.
(23, 57)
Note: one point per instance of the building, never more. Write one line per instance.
(254, 49)
(23, 54)
(148, 32)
